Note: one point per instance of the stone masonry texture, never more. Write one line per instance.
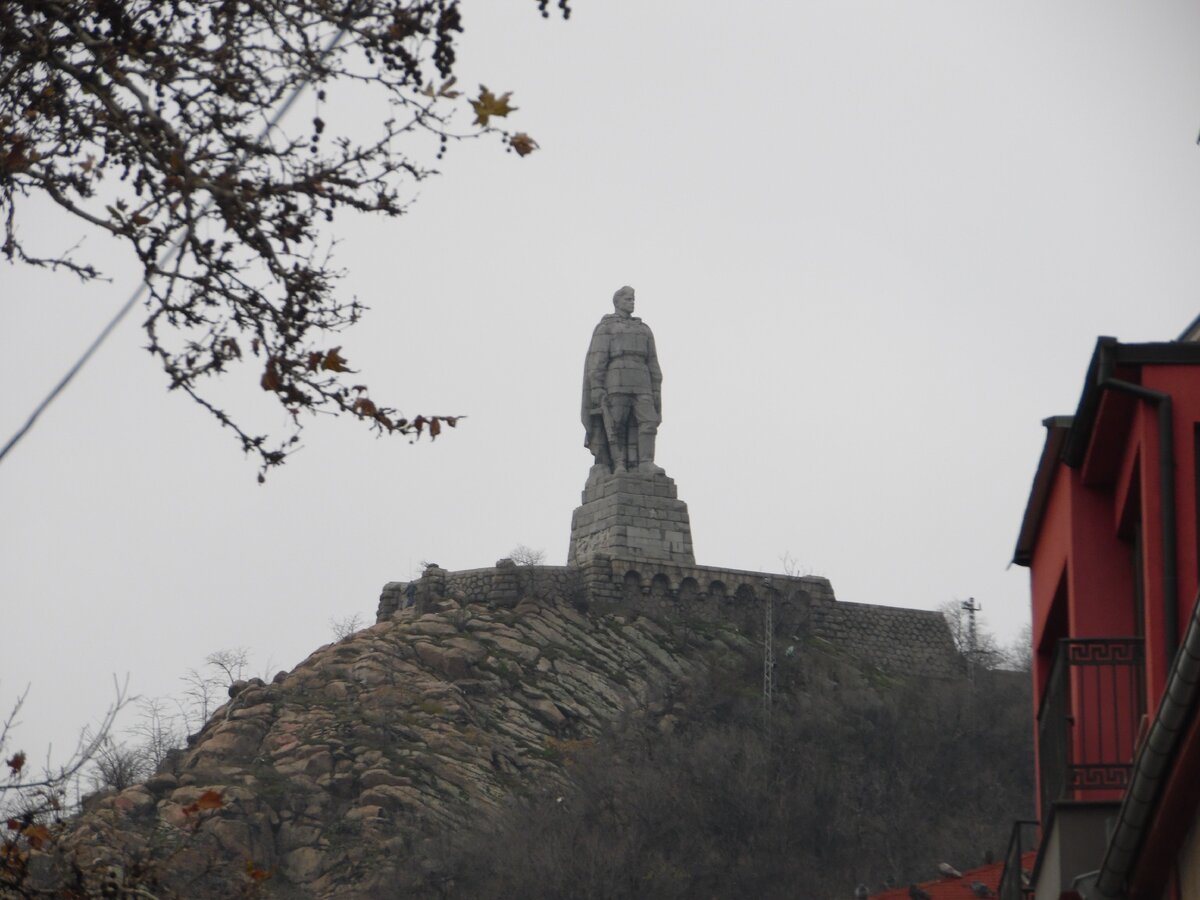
(804, 608)
(633, 516)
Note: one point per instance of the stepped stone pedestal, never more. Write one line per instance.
(631, 516)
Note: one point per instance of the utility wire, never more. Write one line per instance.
(163, 261)
(66, 379)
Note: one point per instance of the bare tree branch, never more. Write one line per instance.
(159, 122)
(46, 792)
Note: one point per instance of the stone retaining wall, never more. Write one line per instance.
(803, 608)
(501, 585)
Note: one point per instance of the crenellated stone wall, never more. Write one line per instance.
(501, 585)
(804, 608)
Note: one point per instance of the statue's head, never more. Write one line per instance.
(623, 299)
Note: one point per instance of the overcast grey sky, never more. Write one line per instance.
(876, 243)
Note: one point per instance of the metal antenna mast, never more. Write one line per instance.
(971, 607)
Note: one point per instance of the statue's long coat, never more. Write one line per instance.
(595, 371)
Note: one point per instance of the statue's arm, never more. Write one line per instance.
(655, 373)
(596, 366)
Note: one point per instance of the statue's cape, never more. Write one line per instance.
(596, 347)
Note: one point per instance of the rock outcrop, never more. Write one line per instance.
(332, 777)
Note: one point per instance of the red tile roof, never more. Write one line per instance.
(959, 888)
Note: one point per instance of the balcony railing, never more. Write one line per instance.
(1018, 859)
(1089, 718)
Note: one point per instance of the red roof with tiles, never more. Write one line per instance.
(959, 888)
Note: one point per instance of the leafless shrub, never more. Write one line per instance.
(118, 765)
(345, 626)
(205, 689)
(527, 556)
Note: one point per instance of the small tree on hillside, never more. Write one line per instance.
(526, 556)
(205, 689)
(118, 765)
(345, 626)
(1019, 654)
(980, 646)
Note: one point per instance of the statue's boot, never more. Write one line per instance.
(620, 467)
(646, 454)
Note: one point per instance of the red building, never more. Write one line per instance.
(1111, 536)
(969, 885)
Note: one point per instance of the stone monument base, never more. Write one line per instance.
(632, 516)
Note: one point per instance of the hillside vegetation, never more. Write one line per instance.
(859, 779)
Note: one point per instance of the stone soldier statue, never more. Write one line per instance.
(622, 392)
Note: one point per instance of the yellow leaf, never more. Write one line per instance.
(36, 835)
(12, 857)
(270, 380)
(334, 362)
(489, 105)
(522, 143)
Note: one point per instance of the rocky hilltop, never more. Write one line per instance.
(332, 776)
(339, 778)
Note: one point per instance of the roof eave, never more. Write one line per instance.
(1057, 428)
(1192, 332)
